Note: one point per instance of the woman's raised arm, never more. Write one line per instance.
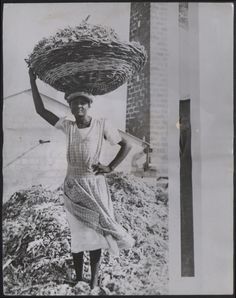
(38, 103)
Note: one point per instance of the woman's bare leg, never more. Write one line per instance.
(78, 259)
(95, 257)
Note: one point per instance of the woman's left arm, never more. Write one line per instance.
(125, 148)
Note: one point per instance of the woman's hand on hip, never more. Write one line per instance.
(101, 169)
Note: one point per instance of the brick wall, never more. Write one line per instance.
(147, 100)
(159, 85)
(138, 91)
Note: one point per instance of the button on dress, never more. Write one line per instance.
(87, 198)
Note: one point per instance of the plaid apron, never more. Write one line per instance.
(86, 195)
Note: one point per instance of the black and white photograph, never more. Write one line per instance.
(117, 155)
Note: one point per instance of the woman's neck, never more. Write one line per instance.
(83, 121)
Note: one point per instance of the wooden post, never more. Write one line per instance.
(186, 194)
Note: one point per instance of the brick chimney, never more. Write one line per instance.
(147, 95)
(138, 98)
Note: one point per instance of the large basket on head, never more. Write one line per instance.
(88, 58)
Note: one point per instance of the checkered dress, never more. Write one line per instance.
(87, 199)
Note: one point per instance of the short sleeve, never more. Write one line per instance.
(111, 134)
(63, 124)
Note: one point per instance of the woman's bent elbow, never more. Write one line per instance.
(128, 146)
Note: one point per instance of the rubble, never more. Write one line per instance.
(36, 243)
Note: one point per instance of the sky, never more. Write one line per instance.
(24, 24)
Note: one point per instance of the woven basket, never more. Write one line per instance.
(87, 58)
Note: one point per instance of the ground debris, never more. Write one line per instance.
(36, 243)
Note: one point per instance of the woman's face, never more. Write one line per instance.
(79, 106)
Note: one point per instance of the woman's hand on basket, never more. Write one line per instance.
(32, 74)
(101, 169)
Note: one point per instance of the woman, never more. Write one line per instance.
(87, 200)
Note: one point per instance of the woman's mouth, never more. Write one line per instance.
(79, 111)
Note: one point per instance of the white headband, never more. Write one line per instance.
(77, 94)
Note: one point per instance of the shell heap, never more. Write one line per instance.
(89, 58)
(37, 258)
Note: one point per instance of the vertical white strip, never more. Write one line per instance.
(173, 145)
(216, 93)
(183, 83)
(193, 67)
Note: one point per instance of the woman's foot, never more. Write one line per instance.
(93, 284)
